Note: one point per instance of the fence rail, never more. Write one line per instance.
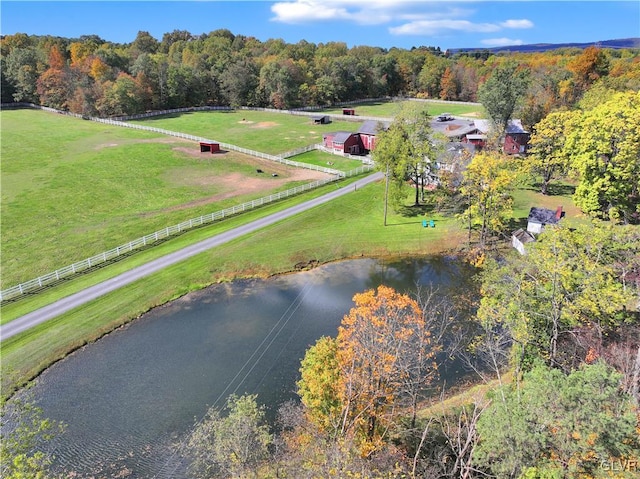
(50, 278)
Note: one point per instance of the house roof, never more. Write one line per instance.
(513, 126)
(455, 150)
(454, 128)
(545, 216)
(372, 127)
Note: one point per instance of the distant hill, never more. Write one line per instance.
(543, 47)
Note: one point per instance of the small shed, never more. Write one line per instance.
(209, 146)
(520, 238)
(321, 119)
(541, 217)
(348, 111)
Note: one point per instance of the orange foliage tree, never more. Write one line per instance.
(382, 343)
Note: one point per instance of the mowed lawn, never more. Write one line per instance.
(389, 109)
(266, 132)
(72, 188)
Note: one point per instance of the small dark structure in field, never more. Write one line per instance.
(348, 111)
(321, 119)
(209, 146)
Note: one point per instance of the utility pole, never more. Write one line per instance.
(386, 194)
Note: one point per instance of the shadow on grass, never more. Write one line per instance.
(414, 211)
(515, 223)
(554, 189)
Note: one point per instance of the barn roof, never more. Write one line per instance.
(372, 127)
(341, 136)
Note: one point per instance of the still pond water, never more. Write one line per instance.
(128, 398)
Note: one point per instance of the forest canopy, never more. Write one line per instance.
(91, 76)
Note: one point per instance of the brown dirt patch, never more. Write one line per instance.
(265, 124)
(256, 185)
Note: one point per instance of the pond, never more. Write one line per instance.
(129, 398)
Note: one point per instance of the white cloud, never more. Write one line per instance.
(301, 11)
(358, 11)
(517, 24)
(435, 27)
(501, 42)
(412, 17)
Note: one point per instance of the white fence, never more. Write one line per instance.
(50, 278)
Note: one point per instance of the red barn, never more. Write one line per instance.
(368, 132)
(343, 142)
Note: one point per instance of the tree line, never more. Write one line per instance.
(91, 76)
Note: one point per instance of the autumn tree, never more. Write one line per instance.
(448, 86)
(121, 97)
(53, 86)
(487, 182)
(318, 386)
(380, 342)
(589, 66)
(547, 158)
(604, 147)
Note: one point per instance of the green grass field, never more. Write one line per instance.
(391, 108)
(72, 189)
(267, 132)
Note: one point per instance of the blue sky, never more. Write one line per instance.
(383, 23)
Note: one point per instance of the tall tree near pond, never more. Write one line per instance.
(503, 92)
(604, 147)
(380, 342)
(319, 386)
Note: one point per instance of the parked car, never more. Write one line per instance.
(444, 117)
